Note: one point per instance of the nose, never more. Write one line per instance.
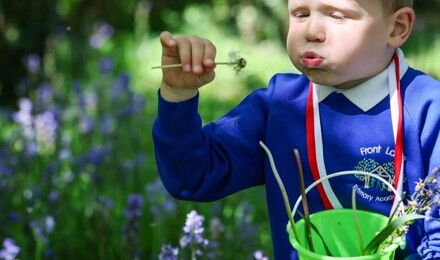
(315, 30)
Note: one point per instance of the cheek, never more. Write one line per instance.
(292, 40)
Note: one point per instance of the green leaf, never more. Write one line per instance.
(388, 230)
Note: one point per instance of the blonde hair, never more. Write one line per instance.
(391, 6)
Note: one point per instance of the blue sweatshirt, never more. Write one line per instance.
(207, 163)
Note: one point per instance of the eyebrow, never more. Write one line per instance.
(325, 6)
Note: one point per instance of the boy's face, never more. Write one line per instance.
(340, 43)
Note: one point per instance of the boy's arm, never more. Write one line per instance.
(206, 163)
(430, 140)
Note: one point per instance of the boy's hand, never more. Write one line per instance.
(197, 57)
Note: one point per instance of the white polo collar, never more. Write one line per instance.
(376, 88)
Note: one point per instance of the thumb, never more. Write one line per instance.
(167, 40)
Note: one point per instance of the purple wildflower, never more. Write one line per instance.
(106, 202)
(168, 253)
(30, 149)
(85, 124)
(134, 207)
(13, 217)
(135, 106)
(121, 87)
(10, 250)
(161, 203)
(33, 63)
(106, 65)
(97, 155)
(259, 255)
(131, 230)
(46, 126)
(107, 125)
(43, 227)
(24, 118)
(102, 33)
(54, 196)
(45, 93)
(193, 234)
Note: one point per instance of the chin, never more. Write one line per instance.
(320, 78)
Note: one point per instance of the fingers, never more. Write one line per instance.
(195, 54)
(185, 50)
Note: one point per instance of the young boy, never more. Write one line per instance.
(356, 106)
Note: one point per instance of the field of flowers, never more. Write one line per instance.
(78, 175)
(78, 178)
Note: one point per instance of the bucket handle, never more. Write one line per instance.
(336, 174)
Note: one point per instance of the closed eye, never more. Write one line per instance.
(300, 15)
(338, 15)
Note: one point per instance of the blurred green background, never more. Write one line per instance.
(77, 102)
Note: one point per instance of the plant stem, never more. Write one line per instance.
(356, 221)
(304, 200)
(169, 66)
(283, 191)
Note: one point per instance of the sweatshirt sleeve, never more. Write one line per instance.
(430, 141)
(206, 163)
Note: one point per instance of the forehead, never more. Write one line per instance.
(372, 7)
(348, 3)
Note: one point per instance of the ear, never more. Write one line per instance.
(402, 22)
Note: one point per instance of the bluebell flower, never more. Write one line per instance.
(46, 127)
(106, 65)
(259, 255)
(133, 213)
(121, 87)
(136, 105)
(33, 63)
(97, 155)
(193, 233)
(45, 93)
(169, 253)
(106, 202)
(42, 228)
(102, 33)
(134, 207)
(10, 250)
(107, 125)
(13, 217)
(30, 150)
(24, 118)
(54, 196)
(86, 124)
(160, 201)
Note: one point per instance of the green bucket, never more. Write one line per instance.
(338, 229)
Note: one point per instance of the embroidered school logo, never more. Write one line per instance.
(385, 171)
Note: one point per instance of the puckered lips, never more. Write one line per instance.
(311, 59)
